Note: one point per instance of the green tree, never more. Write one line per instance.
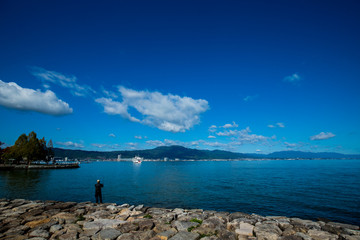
(1, 152)
(27, 148)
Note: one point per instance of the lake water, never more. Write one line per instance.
(299, 188)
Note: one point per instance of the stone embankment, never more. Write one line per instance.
(38, 220)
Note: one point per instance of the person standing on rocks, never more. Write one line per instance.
(98, 195)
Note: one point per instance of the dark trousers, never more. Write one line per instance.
(97, 196)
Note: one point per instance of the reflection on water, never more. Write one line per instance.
(304, 188)
(20, 183)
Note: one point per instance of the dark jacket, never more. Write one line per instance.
(98, 187)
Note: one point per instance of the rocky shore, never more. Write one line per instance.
(38, 220)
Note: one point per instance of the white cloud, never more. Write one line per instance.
(290, 145)
(156, 143)
(116, 108)
(138, 137)
(250, 98)
(294, 78)
(132, 145)
(99, 145)
(70, 144)
(106, 146)
(62, 80)
(166, 112)
(279, 124)
(112, 135)
(16, 97)
(228, 133)
(322, 136)
(211, 136)
(243, 136)
(109, 93)
(232, 125)
(216, 144)
(212, 128)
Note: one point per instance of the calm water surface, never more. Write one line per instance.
(300, 188)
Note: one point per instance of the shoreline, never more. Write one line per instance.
(38, 166)
(25, 219)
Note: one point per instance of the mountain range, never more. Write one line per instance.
(179, 152)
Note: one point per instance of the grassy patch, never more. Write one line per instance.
(206, 235)
(191, 228)
(195, 220)
(80, 218)
(148, 216)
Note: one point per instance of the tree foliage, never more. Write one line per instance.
(1, 152)
(28, 148)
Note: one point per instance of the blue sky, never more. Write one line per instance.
(244, 76)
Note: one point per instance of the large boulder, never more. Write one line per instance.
(184, 235)
(267, 232)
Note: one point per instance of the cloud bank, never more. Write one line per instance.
(16, 97)
(166, 112)
(322, 136)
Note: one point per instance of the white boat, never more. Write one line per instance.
(137, 159)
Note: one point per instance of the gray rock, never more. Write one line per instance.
(127, 236)
(267, 231)
(108, 234)
(351, 232)
(102, 224)
(303, 236)
(144, 235)
(139, 207)
(184, 226)
(71, 235)
(178, 211)
(144, 224)
(225, 234)
(206, 231)
(321, 235)
(214, 222)
(128, 227)
(92, 226)
(236, 215)
(293, 237)
(306, 223)
(36, 238)
(98, 214)
(19, 230)
(167, 234)
(348, 237)
(161, 226)
(185, 236)
(39, 233)
(245, 229)
(212, 238)
(55, 228)
(342, 225)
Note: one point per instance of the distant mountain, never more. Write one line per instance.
(299, 154)
(173, 152)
